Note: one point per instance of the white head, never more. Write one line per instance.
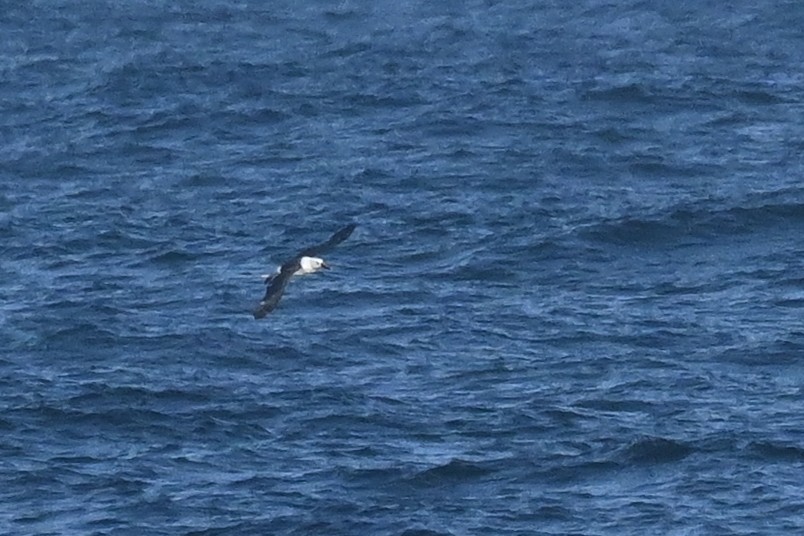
(311, 264)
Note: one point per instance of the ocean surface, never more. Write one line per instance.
(573, 304)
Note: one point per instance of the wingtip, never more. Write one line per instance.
(260, 312)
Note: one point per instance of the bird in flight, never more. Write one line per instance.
(306, 262)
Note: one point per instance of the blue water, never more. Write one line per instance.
(573, 303)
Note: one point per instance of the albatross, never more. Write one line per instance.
(306, 262)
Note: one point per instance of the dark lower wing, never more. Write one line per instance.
(275, 290)
(333, 241)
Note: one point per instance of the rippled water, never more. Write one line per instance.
(572, 304)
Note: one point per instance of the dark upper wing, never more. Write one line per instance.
(333, 241)
(276, 287)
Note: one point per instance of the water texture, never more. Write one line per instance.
(572, 305)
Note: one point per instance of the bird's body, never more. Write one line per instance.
(307, 265)
(306, 262)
